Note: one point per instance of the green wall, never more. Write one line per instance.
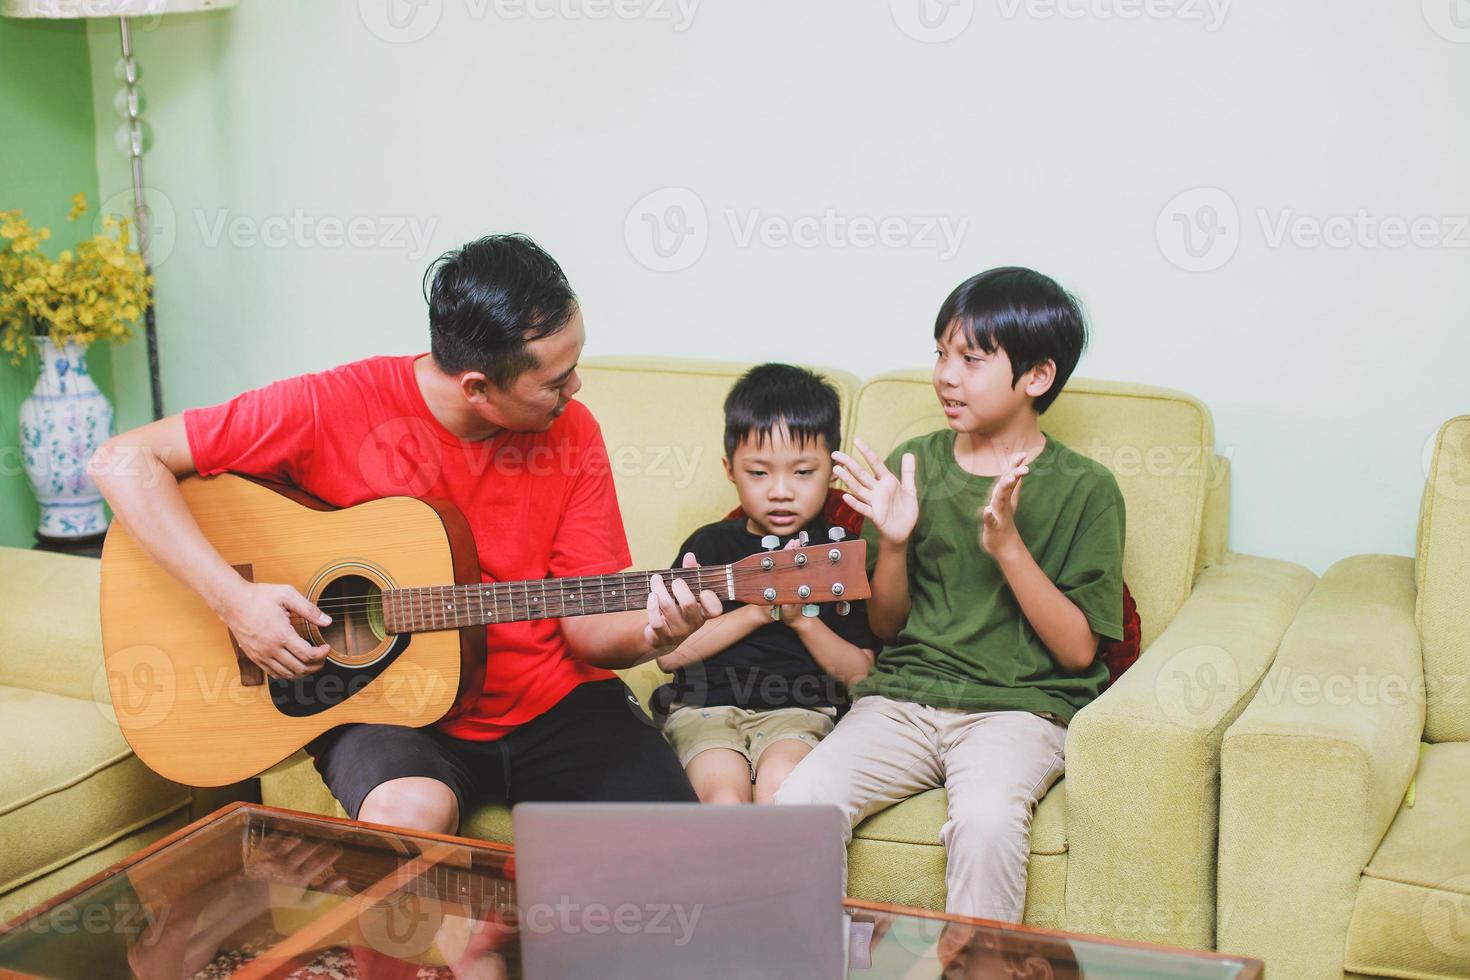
(47, 154)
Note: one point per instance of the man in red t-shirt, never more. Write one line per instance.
(485, 420)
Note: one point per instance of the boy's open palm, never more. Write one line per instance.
(998, 517)
(890, 502)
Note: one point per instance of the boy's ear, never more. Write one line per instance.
(729, 470)
(1041, 378)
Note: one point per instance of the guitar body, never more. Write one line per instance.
(197, 712)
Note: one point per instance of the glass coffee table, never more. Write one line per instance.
(254, 891)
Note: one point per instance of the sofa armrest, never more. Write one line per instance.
(50, 625)
(1143, 759)
(1315, 768)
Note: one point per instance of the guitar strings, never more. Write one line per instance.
(488, 590)
(705, 578)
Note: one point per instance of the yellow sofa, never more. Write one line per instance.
(73, 797)
(1125, 844)
(1345, 812)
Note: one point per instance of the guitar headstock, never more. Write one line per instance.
(835, 572)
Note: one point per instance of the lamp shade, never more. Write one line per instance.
(71, 9)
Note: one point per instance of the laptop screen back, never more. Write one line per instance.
(614, 890)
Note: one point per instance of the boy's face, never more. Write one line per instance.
(782, 484)
(975, 388)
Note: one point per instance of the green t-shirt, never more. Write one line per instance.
(966, 643)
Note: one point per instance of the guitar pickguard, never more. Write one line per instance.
(332, 685)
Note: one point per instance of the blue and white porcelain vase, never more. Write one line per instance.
(62, 423)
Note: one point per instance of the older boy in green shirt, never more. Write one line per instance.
(990, 609)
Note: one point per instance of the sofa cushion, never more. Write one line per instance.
(1158, 444)
(1442, 572)
(662, 420)
(67, 766)
(1409, 919)
(917, 821)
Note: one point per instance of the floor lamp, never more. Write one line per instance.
(134, 132)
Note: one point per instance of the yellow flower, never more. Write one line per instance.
(78, 206)
(94, 291)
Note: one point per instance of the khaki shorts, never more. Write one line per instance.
(691, 729)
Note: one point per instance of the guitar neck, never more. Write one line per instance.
(447, 607)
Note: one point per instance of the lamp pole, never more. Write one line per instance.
(133, 103)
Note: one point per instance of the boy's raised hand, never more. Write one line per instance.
(890, 502)
(998, 517)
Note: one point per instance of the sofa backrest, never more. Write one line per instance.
(50, 623)
(664, 424)
(1442, 574)
(1158, 443)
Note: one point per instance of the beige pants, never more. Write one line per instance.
(995, 765)
(691, 729)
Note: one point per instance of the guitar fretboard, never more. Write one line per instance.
(447, 607)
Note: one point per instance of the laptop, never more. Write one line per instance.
(639, 890)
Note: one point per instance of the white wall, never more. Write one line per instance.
(1054, 133)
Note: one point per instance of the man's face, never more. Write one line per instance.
(539, 394)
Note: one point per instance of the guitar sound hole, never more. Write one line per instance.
(355, 604)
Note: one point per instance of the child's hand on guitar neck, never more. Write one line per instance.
(267, 622)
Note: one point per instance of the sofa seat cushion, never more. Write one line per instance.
(918, 819)
(1408, 919)
(489, 821)
(67, 766)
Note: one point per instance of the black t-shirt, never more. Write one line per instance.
(770, 668)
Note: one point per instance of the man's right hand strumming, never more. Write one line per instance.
(268, 621)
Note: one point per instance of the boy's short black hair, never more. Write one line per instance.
(488, 299)
(772, 395)
(1024, 312)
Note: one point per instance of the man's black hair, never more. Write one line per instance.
(488, 299)
(1023, 312)
(772, 395)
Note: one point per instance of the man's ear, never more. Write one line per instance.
(1041, 378)
(475, 386)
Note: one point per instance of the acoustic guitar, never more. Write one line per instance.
(401, 580)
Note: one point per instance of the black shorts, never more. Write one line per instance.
(594, 745)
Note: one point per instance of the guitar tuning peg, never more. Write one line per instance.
(803, 538)
(770, 542)
(843, 608)
(836, 534)
(811, 610)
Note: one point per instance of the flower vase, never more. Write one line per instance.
(62, 422)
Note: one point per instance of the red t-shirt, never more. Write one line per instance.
(539, 503)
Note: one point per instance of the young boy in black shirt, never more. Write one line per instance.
(757, 687)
